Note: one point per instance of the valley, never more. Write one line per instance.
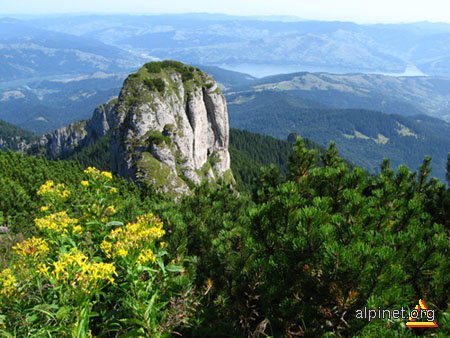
(370, 117)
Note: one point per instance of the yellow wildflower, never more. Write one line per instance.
(106, 174)
(32, 247)
(134, 239)
(77, 229)
(8, 287)
(58, 222)
(163, 245)
(49, 188)
(46, 187)
(92, 171)
(58, 267)
(102, 271)
(113, 190)
(74, 269)
(45, 208)
(110, 210)
(85, 183)
(122, 252)
(42, 269)
(64, 193)
(106, 247)
(145, 256)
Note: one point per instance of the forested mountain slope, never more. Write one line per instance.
(43, 106)
(13, 137)
(364, 137)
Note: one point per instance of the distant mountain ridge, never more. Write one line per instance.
(216, 40)
(392, 95)
(27, 51)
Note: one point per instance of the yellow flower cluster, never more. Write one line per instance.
(32, 247)
(135, 237)
(46, 188)
(49, 188)
(7, 284)
(42, 269)
(59, 222)
(74, 268)
(94, 172)
(45, 208)
(107, 174)
(145, 256)
(85, 183)
(110, 210)
(64, 193)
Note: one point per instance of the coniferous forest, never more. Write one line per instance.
(294, 249)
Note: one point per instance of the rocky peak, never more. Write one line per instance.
(169, 127)
(172, 128)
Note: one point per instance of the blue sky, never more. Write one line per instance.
(362, 11)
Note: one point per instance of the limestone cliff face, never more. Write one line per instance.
(169, 127)
(65, 141)
(173, 128)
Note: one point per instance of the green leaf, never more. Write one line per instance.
(135, 333)
(174, 268)
(134, 321)
(63, 312)
(32, 318)
(114, 224)
(46, 312)
(149, 309)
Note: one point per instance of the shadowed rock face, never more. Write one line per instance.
(169, 127)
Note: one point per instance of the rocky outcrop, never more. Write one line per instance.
(169, 127)
(64, 141)
(292, 137)
(173, 120)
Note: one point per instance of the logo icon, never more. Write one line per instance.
(420, 312)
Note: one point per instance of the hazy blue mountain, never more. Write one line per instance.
(27, 52)
(211, 39)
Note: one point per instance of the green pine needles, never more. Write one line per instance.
(299, 255)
